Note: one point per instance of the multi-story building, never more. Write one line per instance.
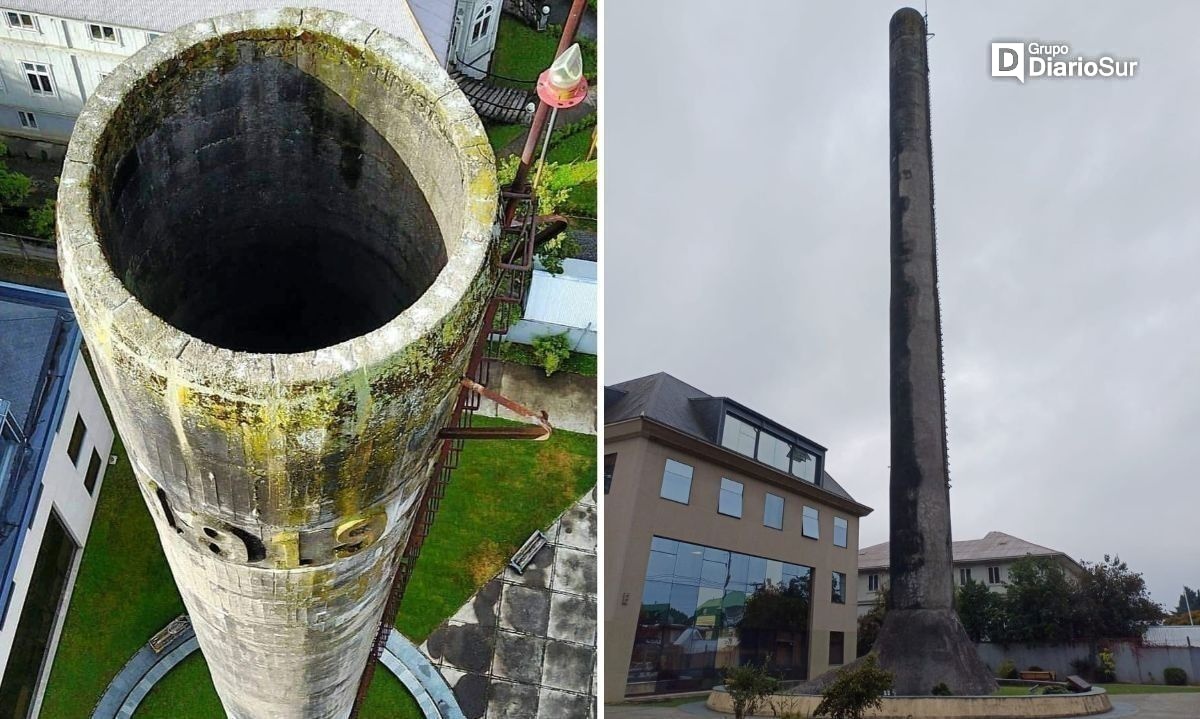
(984, 560)
(55, 442)
(54, 53)
(726, 542)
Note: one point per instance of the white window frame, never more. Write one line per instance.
(872, 582)
(28, 120)
(964, 576)
(994, 575)
(116, 33)
(34, 26)
(482, 23)
(29, 68)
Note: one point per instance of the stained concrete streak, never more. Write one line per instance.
(525, 645)
(569, 399)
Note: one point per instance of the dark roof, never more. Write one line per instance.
(588, 247)
(675, 403)
(994, 546)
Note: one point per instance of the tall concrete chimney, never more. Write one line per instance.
(274, 228)
(922, 640)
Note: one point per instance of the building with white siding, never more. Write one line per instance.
(54, 53)
(55, 442)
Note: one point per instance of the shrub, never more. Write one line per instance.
(1049, 689)
(941, 690)
(551, 351)
(1107, 671)
(1007, 670)
(1174, 676)
(748, 685)
(855, 690)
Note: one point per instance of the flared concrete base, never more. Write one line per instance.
(956, 707)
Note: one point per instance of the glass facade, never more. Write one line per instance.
(746, 439)
(738, 436)
(704, 609)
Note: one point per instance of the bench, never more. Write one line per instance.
(1038, 676)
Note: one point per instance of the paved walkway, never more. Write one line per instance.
(131, 685)
(569, 399)
(1125, 706)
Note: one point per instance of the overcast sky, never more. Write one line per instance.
(746, 251)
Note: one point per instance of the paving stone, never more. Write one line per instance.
(574, 571)
(524, 609)
(466, 646)
(568, 666)
(577, 529)
(514, 701)
(572, 619)
(518, 657)
(537, 573)
(555, 704)
(471, 691)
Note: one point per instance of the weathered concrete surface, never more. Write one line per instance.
(524, 646)
(922, 640)
(274, 228)
(569, 399)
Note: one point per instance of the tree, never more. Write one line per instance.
(869, 623)
(855, 690)
(748, 685)
(551, 351)
(14, 187)
(1038, 605)
(1112, 601)
(981, 611)
(1190, 597)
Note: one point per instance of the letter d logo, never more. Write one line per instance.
(1008, 60)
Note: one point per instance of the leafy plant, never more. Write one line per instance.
(41, 220)
(856, 689)
(980, 610)
(14, 187)
(869, 624)
(552, 252)
(554, 184)
(748, 685)
(1107, 671)
(1174, 676)
(551, 351)
(1007, 670)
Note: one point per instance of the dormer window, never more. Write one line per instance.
(744, 438)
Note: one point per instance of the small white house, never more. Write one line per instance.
(561, 303)
(53, 53)
(55, 443)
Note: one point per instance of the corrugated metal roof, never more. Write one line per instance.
(433, 17)
(994, 545)
(568, 299)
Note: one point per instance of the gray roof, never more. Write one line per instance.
(994, 546)
(668, 400)
(27, 336)
(435, 17)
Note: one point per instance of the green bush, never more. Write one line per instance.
(1007, 670)
(1174, 676)
(748, 685)
(941, 690)
(855, 690)
(1107, 671)
(551, 351)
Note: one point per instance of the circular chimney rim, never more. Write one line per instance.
(157, 342)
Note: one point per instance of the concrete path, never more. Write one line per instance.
(401, 657)
(569, 399)
(1125, 706)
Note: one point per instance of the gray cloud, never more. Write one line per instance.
(746, 226)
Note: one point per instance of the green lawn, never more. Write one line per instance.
(522, 53)
(573, 147)
(502, 491)
(500, 135)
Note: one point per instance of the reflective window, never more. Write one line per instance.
(730, 502)
(738, 436)
(838, 596)
(773, 511)
(804, 465)
(705, 609)
(610, 466)
(841, 531)
(812, 523)
(676, 482)
(773, 451)
(837, 648)
(76, 443)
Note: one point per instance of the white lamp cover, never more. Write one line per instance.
(567, 69)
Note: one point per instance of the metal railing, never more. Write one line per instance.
(29, 248)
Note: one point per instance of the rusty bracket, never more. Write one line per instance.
(539, 433)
